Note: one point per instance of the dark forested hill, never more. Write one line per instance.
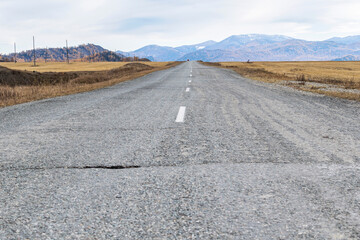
(106, 56)
(59, 54)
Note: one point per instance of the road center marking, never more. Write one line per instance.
(189, 81)
(190, 75)
(187, 89)
(181, 115)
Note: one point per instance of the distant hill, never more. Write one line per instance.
(272, 48)
(59, 54)
(346, 40)
(236, 42)
(347, 58)
(5, 59)
(192, 48)
(109, 56)
(85, 52)
(256, 47)
(106, 56)
(157, 53)
(164, 54)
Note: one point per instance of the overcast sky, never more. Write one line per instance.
(130, 24)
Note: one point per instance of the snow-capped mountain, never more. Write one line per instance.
(256, 47)
(163, 54)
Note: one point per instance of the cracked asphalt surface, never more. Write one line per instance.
(250, 161)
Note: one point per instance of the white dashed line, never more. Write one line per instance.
(190, 75)
(187, 89)
(181, 115)
(189, 81)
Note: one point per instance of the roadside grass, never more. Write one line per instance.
(338, 79)
(24, 86)
(71, 67)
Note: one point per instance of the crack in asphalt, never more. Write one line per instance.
(115, 167)
(109, 167)
(123, 167)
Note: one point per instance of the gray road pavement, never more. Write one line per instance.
(247, 160)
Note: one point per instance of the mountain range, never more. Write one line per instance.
(253, 47)
(164, 54)
(256, 47)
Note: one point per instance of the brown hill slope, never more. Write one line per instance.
(58, 54)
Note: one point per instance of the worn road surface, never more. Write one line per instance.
(192, 152)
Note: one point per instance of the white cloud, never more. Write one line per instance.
(127, 25)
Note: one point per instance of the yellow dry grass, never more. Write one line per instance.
(321, 71)
(71, 67)
(20, 94)
(344, 75)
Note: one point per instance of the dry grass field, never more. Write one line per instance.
(20, 83)
(339, 79)
(71, 67)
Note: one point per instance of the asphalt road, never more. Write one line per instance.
(192, 152)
